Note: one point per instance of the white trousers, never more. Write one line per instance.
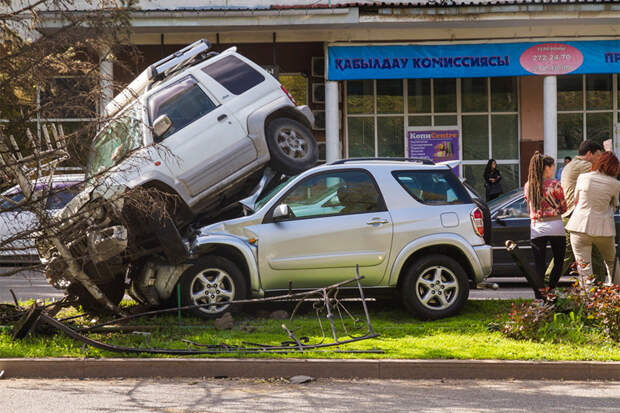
(582, 248)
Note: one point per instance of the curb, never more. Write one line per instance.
(370, 369)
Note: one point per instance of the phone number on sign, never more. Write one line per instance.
(550, 57)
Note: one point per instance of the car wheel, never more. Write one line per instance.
(214, 281)
(435, 286)
(292, 146)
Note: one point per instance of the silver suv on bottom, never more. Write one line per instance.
(410, 226)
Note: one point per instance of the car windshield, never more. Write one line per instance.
(114, 141)
(503, 198)
(265, 198)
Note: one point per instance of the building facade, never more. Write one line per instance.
(487, 79)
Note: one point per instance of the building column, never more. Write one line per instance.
(550, 110)
(332, 127)
(106, 73)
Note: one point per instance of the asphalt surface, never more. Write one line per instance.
(33, 285)
(323, 395)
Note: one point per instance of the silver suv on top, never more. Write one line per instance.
(199, 127)
(410, 226)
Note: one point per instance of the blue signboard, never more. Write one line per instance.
(473, 60)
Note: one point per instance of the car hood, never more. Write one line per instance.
(237, 227)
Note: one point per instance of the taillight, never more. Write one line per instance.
(289, 95)
(477, 220)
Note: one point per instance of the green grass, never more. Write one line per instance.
(465, 336)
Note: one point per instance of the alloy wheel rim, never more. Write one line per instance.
(437, 288)
(212, 286)
(291, 143)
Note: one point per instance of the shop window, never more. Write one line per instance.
(423, 120)
(444, 91)
(570, 92)
(585, 110)
(504, 136)
(361, 136)
(390, 133)
(475, 137)
(419, 96)
(360, 97)
(504, 94)
(474, 95)
(297, 86)
(446, 120)
(599, 126)
(487, 116)
(390, 96)
(570, 133)
(598, 92)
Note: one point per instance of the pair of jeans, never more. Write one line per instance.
(558, 246)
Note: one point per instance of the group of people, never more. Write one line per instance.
(575, 215)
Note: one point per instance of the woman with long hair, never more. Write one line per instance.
(546, 201)
(592, 222)
(492, 179)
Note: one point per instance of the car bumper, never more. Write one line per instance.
(307, 112)
(485, 258)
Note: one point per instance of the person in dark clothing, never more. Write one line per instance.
(492, 180)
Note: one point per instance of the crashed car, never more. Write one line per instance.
(409, 226)
(190, 135)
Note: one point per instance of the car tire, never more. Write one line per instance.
(216, 280)
(114, 290)
(435, 286)
(292, 146)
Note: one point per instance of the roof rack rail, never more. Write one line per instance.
(424, 161)
(181, 57)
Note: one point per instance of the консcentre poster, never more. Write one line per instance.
(438, 143)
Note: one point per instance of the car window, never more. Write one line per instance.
(503, 198)
(433, 187)
(183, 102)
(233, 74)
(335, 193)
(7, 205)
(518, 209)
(61, 197)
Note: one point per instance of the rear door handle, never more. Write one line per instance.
(222, 117)
(377, 221)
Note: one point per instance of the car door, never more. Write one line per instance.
(16, 225)
(206, 143)
(338, 220)
(511, 222)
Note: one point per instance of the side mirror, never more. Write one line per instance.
(281, 212)
(161, 125)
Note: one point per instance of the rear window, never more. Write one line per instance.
(433, 187)
(233, 74)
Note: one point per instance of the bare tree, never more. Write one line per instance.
(49, 69)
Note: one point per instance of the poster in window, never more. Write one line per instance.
(437, 143)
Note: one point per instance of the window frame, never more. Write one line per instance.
(584, 111)
(381, 205)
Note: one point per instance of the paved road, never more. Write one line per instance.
(32, 285)
(324, 395)
(26, 285)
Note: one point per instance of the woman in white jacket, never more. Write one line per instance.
(592, 222)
